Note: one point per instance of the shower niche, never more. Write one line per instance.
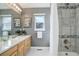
(68, 16)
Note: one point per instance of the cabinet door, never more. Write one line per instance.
(29, 42)
(26, 48)
(21, 49)
(14, 54)
(27, 45)
(10, 51)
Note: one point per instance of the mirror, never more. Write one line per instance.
(7, 16)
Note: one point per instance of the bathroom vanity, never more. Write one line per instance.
(18, 46)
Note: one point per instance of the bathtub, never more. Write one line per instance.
(67, 54)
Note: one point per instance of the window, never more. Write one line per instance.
(6, 21)
(39, 22)
(6, 26)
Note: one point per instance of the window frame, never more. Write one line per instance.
(5, 23)
(39, 29)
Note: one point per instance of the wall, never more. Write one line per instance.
(29, 12)
(67, 26)
(77, 30)
(46, 34)
(0, 26)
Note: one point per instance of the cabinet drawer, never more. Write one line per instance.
(10, 51)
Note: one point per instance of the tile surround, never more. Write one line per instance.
(67, 26)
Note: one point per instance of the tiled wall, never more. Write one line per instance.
(77, 29)
(67, 23)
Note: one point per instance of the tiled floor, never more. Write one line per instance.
(38, 51)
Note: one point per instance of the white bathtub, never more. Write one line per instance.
(67, 54)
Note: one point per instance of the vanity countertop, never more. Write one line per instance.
(5, 45)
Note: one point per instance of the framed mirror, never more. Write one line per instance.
(17, 22)
(27, 22)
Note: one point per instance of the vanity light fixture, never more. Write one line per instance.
(15, 7)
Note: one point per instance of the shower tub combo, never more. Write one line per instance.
(68, 17)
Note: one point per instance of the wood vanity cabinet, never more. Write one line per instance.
(20, 49)
(10, 52)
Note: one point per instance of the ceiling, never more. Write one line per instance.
(27, 5)
(34, 5)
